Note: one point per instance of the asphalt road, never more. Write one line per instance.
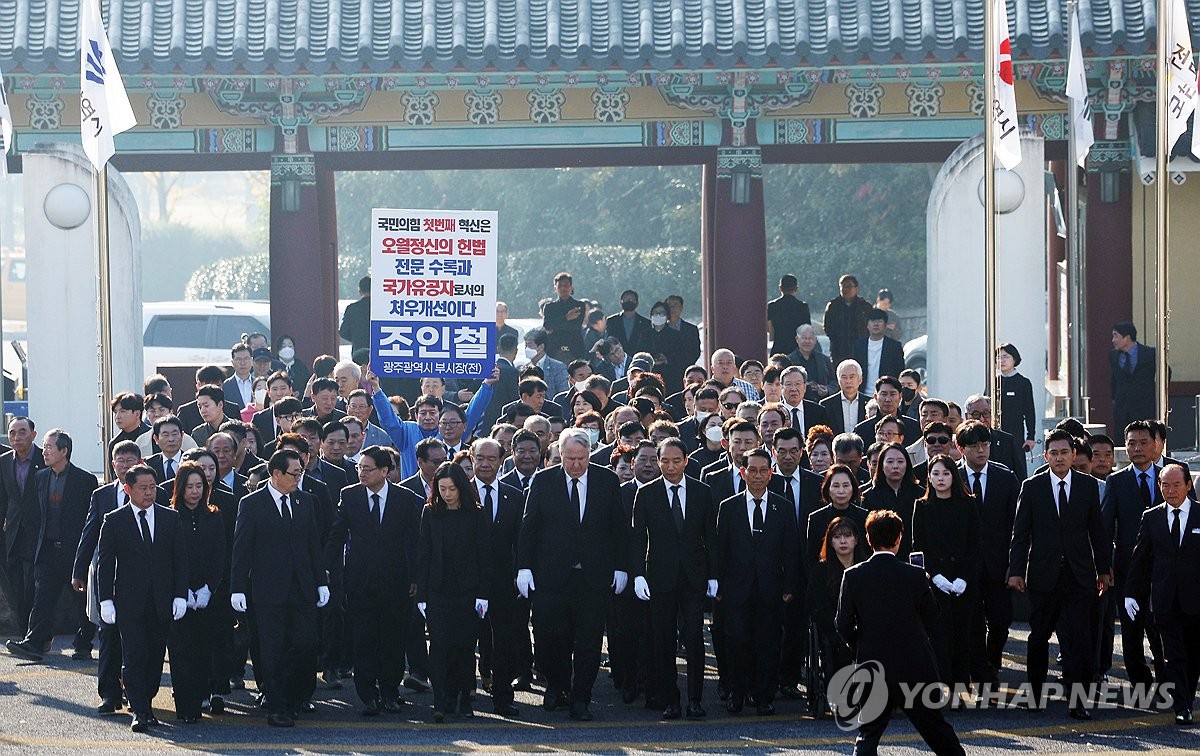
(50, 707)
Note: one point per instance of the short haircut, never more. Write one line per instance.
(333, 426)
(191, 455)
(844, 443)
(877, 314)
(759, 452)
(155, 384)
(294, 440)
(788, 434)
(1059, 435)
(937, 426)
(1126, 328)
(507, 343)
(531, 386)
(379, 456)
(972, 432)
(210, 375)
(1101, 439)
(235, 428)
(127, 446)
(1015, 353)
(282, 459)
(309, 424)
(350, 365)
(664, 426)
(791, 369)
(364, 285)
(323, 365)
(168, 420)
(524, 435)
(454, 409)
(847, 278)
(788, 283)
(324, 384)
(135, 472)
(216, 393)
(884, 295)
(940, 404)
(630, 428)
(1158, 429)
(288, 405)
(162, 400)
(734, 425)
(129, 401)
(240, 346)
(280, 375)
(575, 365)
(563, 277)
(771, 374)
(884, 528)
(426, 445)
(672, 442)
(536, 335)
(887, 380)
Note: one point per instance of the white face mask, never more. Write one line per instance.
(580, 387)
(530, 353)
(593, 435)
(714, 434)
(286, 354)
(658, 320)
(701, 416)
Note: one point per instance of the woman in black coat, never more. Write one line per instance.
(191, 641)
(843, 547)
(451, 565)
(1018, 413)
(946, 530)
(894, 487)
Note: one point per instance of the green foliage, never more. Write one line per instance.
(171, 253)
(232, 278)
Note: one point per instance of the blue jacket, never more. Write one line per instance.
(405, 434)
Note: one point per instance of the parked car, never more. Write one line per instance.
(914, 355)
(198, 333)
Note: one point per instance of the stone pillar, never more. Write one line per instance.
(62, 291)
(734, 253)
(304, 255)
(1109, 234)
(955, 239)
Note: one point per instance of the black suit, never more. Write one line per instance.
(994, 611)
(564, 337)
(193, 641)
(1060, 556)
(891, 359)
(19, 515)
(500, 632)
(189, 415)
(689, 342)
(754, 572)
(569, 604)
(883, 614)
(158, 464)
(374, 563)
(233, 394)
(504, 392)
(677, 563)
(814, 414)
(1165, 570)
(818, 523)
(264, 420)
(54, 555)
(356, 324)
(1133, 392)
(786, 314)
(277, 564)
(832, 406)
(639, 341)
(1123, 507)
(866, 430)
(142, 582)
(104, 499)
(795, 619)
(1009, 453)
(629, 630)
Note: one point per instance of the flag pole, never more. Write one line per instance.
(990, 62)
(105, 313)
(1076, 372)
(1161, 177)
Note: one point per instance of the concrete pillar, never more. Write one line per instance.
(304, 255)
(734, 253)
(1109, 235)
(62, 291)
(954, 222)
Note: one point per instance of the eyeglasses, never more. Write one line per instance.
(364, 469)
(937, 439)
(296, 475)
(979, 414)
(450, 423)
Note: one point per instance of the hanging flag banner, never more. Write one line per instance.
(1077, 93)
(1181, 74)
(1004, 109)
(433, 293)
(6, 128)
(104, 109)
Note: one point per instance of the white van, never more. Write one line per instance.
(198, 333)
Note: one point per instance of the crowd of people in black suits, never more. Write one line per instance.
(631, 506)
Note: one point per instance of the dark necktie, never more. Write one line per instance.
(758, 517)
(285, 510)
(1175, 528)
(741, 484)
(1144, 487)
(977, 488)
(524, 482)
(789, 491)
(677, 508)
(796, 420)
(575, 497)
(1062, 496)
(488, 505)
(145, 526)
(377, 508)
(168, 468)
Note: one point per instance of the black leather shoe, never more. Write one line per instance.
(736, 703)
(792, 692)
(372, 708)
(581, 712)
(629, 695)
(438, 717)
(465, 707)
(308, 707)
(237, 683)
(695, 711)
(189, 720)
(552, 700)
(141, 723)
(722, 693)
(152, 720)
(216, 704)
(522, 683)
(23, 650)
(672, 712)
(81, 654)
(280, 720)
(331, 679)
(391, 705)
(765, 710)
(1184, 718)
(109, 706)
(1078, 712)
(505, 710)
(412, 682)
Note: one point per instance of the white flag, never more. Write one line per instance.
(1077, 93)
(6, 128)
(104, 109)
(1004, 109)
(1181, 74)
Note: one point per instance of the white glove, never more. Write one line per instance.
(238, 602)
(322, 595)
(1131, 608)
(959, 586)
(108, 612)
(942, 584)
(620, 580)
(179, 607)
(421, 607)
(191, 600)
(712, 589)
(203, 596)
(525, 582)
(641, 588)
(481, 607)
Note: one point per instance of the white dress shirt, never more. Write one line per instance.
(750, 508)
(582, 493)
(245, 388)
(137, 520)
(1184, 510)
(682, 486)
(849, 412)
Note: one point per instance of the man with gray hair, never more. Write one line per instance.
(574, 542)
(848, 407)
(848, 449)
(724, 372)
(1005, 448)
(347, 374)
(821, 379)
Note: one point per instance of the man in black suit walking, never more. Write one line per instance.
(575, 541)
(1132, 371)
(1164, 566)
(277, 561)
(674, 553)
(142, 579)
(18, 514)
(500, 630)
(883, 614)
(376, 530)
(758, 565)
(356, 320)
(995, 489)
(628, 327)
(1061, 555)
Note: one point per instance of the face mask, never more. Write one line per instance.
(286, 354)
(581, 387)
(702, 416)
(908, 394)
(629, 305)
(530, 353)
(593, 435)
(658, 320)
(714, 434)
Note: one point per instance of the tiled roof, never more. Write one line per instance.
(375, 36)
